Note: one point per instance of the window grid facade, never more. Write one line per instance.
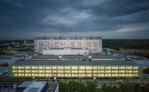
(75, 71)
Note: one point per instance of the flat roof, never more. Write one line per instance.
(74, 62)
(64, 38)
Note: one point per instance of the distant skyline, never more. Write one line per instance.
(111, 19)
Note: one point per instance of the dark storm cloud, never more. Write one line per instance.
(66, 16)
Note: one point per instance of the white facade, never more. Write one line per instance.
(65, 52)
(93, 44)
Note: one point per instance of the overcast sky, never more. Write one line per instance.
(111, 19)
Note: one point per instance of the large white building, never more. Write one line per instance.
(67, 45)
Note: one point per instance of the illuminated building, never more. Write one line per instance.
(67, 45)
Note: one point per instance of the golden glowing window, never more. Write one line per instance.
(40, 67)
(48, 67)
(60, 74)
(128, 74)
(48, 71)
(82, 67)
(48, 74)
(135, 67)
(54, 71)
(60, 67)
(60, 71)
(21, 71)
(94, 74)
(81, 75)
(114, 67)
(94, 71)
(14, 71)
(34, 67)
(74, 71)
(121, 67)
(135, 71)
(107, 71)
(88, 71)
(34, 71)
(94, 67)
(107, 67)
(27, 71)
(41, 71)
(15, 74)
(101, 67)
(74, 75)
(74, 67)
(129, 67)
(20, 67)
(67, 71)
(100, 75)
(67, 67)
(129, 71)
(122, 71)
(34, 74)
(27, 67)
(54, 67)
(20, 74)
(114, 71)
(67, 75)
(27, 74)
(81, 71)
(135, 74)
(100, 71)
(42, 75)
(89, 75)
(121, 75)
(107, 74)
(88, 67)
(14, 67)
(114, 74)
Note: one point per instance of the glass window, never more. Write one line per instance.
(94, 67)
(114, 71)
(135, 67)
(129, 67)
(114, 74)
(67, 67)
(82, 67)
(100, 67)
(60, 71)
(107, 67)
(135, 71)
(74, 71)
(88, 71)
(74, 67)
(107, 75)
(60, 67)
(67, 71)
(100, 75)
(48, 67)
(88, 67)
(54, 67)
(107, 71)
(115, 67)
(121, 67)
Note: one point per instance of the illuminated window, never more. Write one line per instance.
(114, 74)
(27, 74)
(40, 67)
(27, 71)
(107, 71)
(20, 67)
(129, 71)
(108, 67)
(14, 67)
(60, 67)
(67, 71)
(54, 67)
(74, 71)
(121, 67)
(48, 67)
(135, 71)
(34, 74)
(20, 74)
(74, 75)
(122, 71)
(60, 74)
(15, 75)
(27, 67)
(128, 67)
(88, 75)
(54, 71)
(88, 67)
(100, 71)
(107, 75)
(34, 67)
(100, 75)
(14, 71)
(67, 75)
(135, 67)
(48, 75)
(48, 71)
(114, 67)
(101, 67)
(81, 71)
(128, 74)
(82, 67)
(94, 74)
(60, 71)
(121, 75)
(114, 71)
(43, 75)
(74, 67)
(41, 71)
(67, 67)
(135, 74)
(81, 75)
(34, 71)
(20, 71)
(88, 71)
(94, 67)
(94, 71)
